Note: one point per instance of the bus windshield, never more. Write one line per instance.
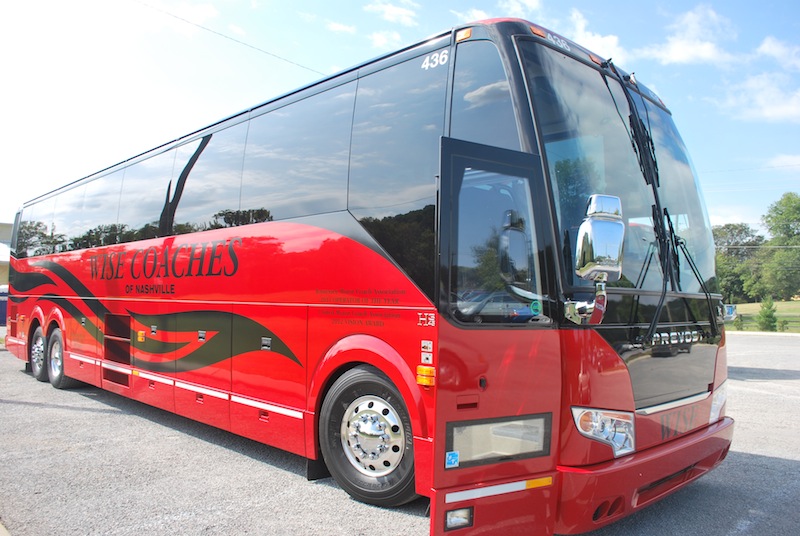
(584, 119)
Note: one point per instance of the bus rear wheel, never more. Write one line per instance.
(55, 361)
(37, 355)
(366, 439)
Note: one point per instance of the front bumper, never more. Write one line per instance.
(594, 496)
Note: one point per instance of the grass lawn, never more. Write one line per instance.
(786, 310)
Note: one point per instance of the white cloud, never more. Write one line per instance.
(487, 94)
(405, 16)
(519, 8)
(787, 55)
(766, 97)
(340, 28)
(385, 40)
(605, 45)
(470, 15)
(694, 39)
(784, 161)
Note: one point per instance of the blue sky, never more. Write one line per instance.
(88, 83)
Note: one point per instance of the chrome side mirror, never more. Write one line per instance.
(598, 255)
(599, 245)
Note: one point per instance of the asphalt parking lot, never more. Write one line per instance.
(84, 461)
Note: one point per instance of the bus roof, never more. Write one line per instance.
(515, 25)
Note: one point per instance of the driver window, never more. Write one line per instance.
(495, 276)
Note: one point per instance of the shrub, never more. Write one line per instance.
(766, 319)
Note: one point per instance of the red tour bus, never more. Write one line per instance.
(478, 270)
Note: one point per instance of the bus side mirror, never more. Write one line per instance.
(599, 243)
(598, 255)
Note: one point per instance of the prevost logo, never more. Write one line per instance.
(676, 337)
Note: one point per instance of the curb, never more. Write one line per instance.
(729, 332)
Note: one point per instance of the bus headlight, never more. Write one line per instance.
(718, 402)
(485, 441)
(614, 428)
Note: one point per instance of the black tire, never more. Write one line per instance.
(366, 440)
(37, 355)
(55, 361)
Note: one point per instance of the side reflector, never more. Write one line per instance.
(426, 375)
(718, 403)
(539, 482)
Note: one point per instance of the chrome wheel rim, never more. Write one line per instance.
(56, 359)
(37, 354)
(372, 435)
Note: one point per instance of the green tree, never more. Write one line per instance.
(409, 238)
(30, 237)
(783, 217)
(780, 271)
(766, 318)
(103, 235)
(488, 269)
(738, 241)
(737, 247)
(235, 218)
(779, 263)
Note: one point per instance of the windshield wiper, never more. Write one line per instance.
(680, 243)
(644, 148)
(639, 133)
(648, 259)
(668, 242)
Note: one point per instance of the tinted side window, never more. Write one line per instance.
(101, 206)
(212, 187)
(15, 235)
(35, 227)
(398, 121)
(295, 161)
(482, 109)
(69, 220)
(145, 186)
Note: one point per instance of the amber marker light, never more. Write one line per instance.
(426, 375)
(538, 31)
(596, 60)
(463, 35)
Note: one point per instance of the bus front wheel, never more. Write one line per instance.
(366, 439)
